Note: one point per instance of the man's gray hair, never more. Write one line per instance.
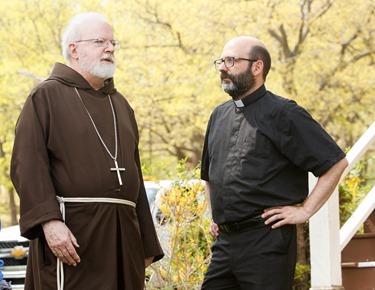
(73, 31)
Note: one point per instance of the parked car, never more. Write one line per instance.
(154, 190)
(14, 251)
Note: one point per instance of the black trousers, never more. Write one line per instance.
(260, 258)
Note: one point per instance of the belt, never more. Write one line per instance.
(62, 201)
(231, 228)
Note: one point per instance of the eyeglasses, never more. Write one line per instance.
(101, 42)
(229, 61)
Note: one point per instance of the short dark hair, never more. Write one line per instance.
(259, 52)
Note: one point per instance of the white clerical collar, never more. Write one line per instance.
(254, 96)
(239, 104)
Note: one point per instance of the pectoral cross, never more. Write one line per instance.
(118, 169)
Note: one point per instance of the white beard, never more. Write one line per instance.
(100, 69)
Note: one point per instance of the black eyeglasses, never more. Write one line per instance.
(229, 61)
(101, 42)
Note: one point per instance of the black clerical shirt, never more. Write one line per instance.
(259, 155)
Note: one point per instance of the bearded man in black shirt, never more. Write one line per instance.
(258, 150)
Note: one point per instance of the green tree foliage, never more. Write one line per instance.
(323, 54)
(319, 49)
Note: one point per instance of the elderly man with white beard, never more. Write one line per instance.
(76, 168)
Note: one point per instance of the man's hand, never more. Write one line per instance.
(323, 189)
(61, 241)
(283, 215)
(148, 261)
(214, 230)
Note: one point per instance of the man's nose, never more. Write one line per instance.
(110, 47)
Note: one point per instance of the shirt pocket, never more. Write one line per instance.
(255, 155)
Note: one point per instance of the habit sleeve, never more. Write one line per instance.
(30, 171)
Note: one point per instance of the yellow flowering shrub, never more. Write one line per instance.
(185, 232)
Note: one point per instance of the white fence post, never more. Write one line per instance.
(325, 253)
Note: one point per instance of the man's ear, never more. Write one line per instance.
(73, 51)
(257, 68)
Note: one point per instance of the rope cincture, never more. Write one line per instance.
(62, 201)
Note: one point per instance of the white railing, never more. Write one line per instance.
(326, 238)
(363, 211)
(367, 206)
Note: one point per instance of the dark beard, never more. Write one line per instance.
(241, 83)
